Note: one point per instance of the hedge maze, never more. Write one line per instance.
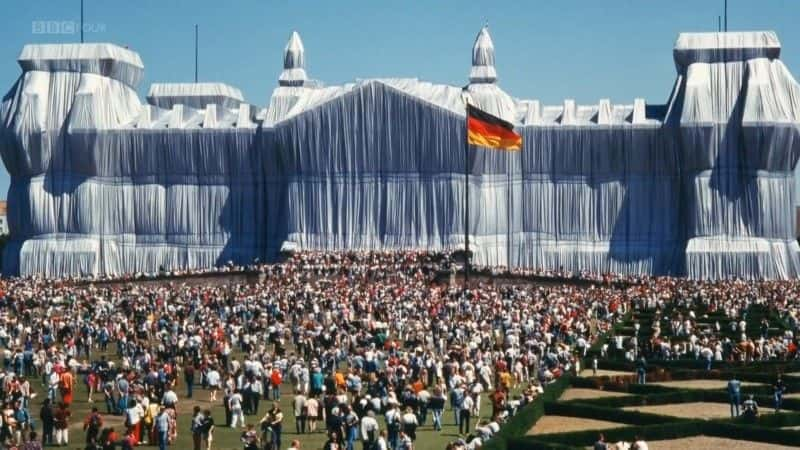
(701, 411)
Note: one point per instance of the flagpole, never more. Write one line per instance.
(466, 199)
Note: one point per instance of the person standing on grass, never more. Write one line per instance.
(66, 386)
(92, 425)
(47, 416)
(641, 370)
(133, 420)
(778, 389)
(601, 443)
(61, 424)
(197, 428)
(734, 395)
(122, 388)
(410, 424)
(237, 411)
(213, 380)
(275, 381)
(436, 405)
(256, 390)
(457, 395)
(274, 420)
(161, 425)
(207, 430)
(369, 431)
(465, 414)
(108, 396)
(312, 413)
(299, 403)
(351, 427)
(188, 378)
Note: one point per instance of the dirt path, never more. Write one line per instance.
(712, 442)
(588, 394)
(565, 424)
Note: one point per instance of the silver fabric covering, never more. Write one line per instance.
(700, 186)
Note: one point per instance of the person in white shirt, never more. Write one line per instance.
(369, 430)
(465, 414)
(170, 399)
(213, 379)
(382, 443)
(237, 412)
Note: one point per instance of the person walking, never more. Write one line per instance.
(92, 425)
(235, 406)
(778, 389)
(410, 424)
(436, 406)
(369, 431)
(207, 429)
(61, 424)
(274, 419)
(641, 370)
(188, 378)
(197, 428)
(275, 381)
(47, 416)
(465, 414)
(161, 425)
(299, 403)
(734, 395)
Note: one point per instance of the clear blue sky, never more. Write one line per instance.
(548, 50)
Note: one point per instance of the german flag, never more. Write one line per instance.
(486, 130)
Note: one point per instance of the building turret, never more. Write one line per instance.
(483, 70)
(294, 72)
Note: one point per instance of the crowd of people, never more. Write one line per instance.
(708, 321)
(370, 347)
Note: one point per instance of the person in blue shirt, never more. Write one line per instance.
(161, 425)
(734, 395)
(641, 370)
(778, 389)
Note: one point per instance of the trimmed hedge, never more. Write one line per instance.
(752, 433)
(521, 423)
(581, 439)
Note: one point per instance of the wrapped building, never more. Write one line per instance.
(195, 176)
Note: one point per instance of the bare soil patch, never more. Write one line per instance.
(588, 394)
(566, 424)
(711, 442)
(694, 410)
(701, 384)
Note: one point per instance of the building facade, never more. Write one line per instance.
(195, 176)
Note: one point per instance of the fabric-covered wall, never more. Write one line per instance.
(701, 186)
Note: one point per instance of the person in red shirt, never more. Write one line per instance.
(275, 381)
(66, 385)
(61, 424)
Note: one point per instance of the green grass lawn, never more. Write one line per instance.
(227, 438)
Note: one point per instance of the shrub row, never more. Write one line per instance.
(528, 415)
(581, 439)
